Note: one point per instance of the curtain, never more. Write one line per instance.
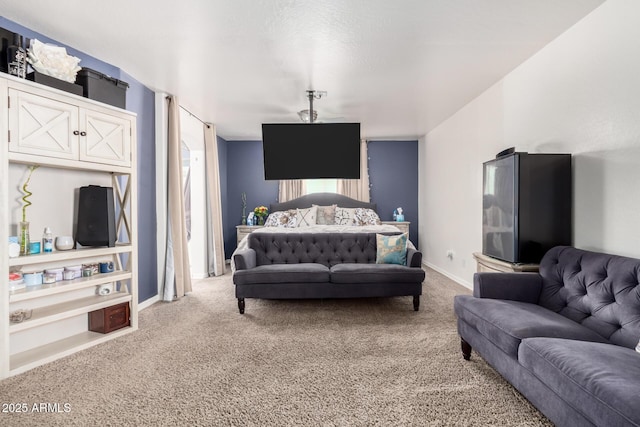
(177, 281)
(358, 188)
(289, 189)
(215, 240)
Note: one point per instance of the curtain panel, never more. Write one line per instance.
(358, 188)
(289, 189)
(177, 281)
(215, 241)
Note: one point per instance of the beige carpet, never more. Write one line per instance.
(311, 363)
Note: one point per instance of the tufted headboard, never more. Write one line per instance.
(321, 199)
(599, 291)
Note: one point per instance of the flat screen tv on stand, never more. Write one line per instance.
(526, 206)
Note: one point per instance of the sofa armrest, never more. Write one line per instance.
(414, 258)
(525, 287)
(244, 259)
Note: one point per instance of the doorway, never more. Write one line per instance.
(193, 176)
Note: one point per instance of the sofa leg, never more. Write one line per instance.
(416, 302)
(466, 349)
(241, 305)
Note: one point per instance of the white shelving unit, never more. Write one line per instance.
(75, 142)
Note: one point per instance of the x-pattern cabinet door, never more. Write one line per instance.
(106, 138)
(42, 126)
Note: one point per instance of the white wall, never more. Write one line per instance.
(580, 95)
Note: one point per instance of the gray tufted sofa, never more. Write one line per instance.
(565, 337)
(322, 265)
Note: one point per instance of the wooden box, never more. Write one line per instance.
(109, 319)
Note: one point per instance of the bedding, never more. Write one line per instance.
(322, 213)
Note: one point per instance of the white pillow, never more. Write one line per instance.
(285, 219)
(345, 216)
(326, 215)
(364, 216)
(306, 217)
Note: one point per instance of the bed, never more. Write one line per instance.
(323, 245)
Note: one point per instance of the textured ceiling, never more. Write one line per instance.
(398, 67)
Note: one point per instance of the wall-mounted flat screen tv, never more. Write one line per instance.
(311, 150)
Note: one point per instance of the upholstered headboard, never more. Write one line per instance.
(321, 199)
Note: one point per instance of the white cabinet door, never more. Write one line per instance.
(42, 126)
(106, 138)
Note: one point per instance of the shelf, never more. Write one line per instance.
(68, 255)
(52, 313)
(31, 292)
(30, 159)
(29, 359)
(107, 156)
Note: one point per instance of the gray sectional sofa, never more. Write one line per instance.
(565, 337)
(321, 265)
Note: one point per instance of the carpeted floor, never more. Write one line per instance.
(197, 361)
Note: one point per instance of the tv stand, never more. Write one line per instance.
(492, 265)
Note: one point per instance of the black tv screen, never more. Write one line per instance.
(311, 150)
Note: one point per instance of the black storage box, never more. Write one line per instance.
(100, 87)
(55, 83)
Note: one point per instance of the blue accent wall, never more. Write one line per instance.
(393, 175)
(140, 100)
(223, 169)
(245, 173)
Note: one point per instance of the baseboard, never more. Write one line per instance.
(456, 279)
(148, 302)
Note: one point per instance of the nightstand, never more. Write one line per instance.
(243, 230)
(402, 225)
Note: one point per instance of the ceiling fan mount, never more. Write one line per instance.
(311, 115)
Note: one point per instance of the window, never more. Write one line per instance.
(321, 186)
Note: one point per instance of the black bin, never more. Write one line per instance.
(100, 87)
(6, 38)
(53, 82)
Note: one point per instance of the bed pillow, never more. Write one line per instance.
(285, 219)
(364, 216)
(326, 215)
(391, 249)
(345, 216)
(306, 217)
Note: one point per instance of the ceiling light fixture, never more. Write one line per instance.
(304, 115)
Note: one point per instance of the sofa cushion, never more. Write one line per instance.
(600, 380)
(391, 249)
(600, 291)
(375, 273)
(505, 323)
(282, 273)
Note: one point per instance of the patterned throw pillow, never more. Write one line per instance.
(364, 216)
(345, 216)
(285, 219)
(391, 249)
(326, 215)
(306, 217)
